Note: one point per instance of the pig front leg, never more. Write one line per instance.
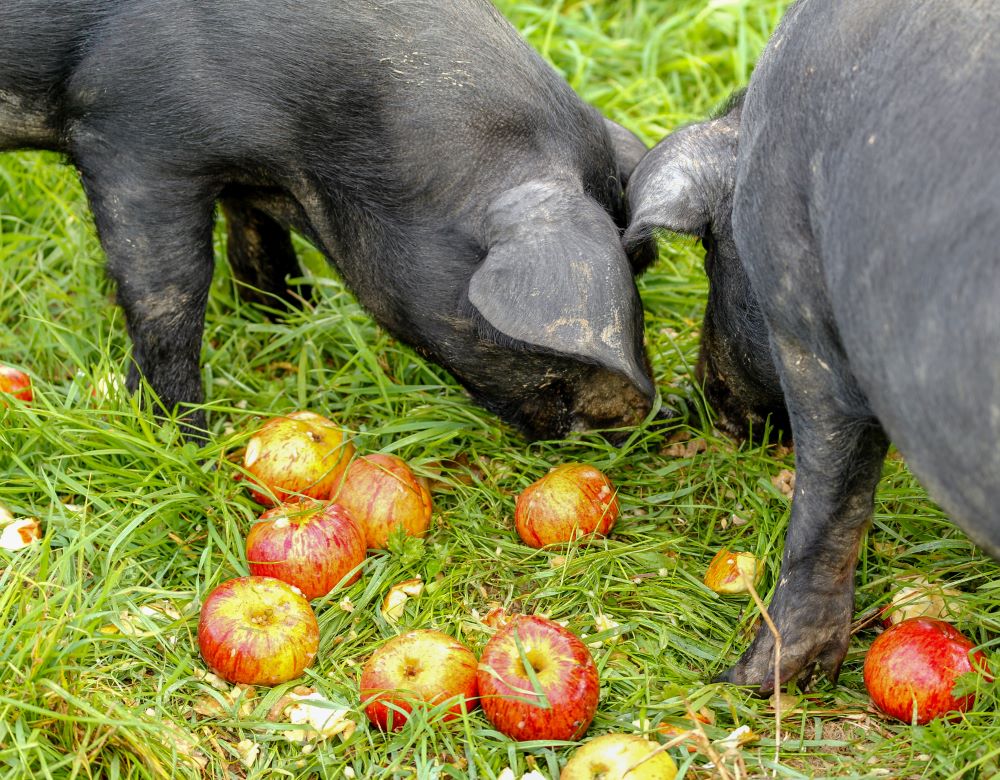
(260, 253)
(839, 450)
(157, 235)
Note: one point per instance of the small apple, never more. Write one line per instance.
(382, 493)
(563, 703)
(422, 666)
(910, 669)
(571, 501)
(619, 757)
(257, 631)
(16, 383)
(311, 544)
(301, 454)
(726, 572)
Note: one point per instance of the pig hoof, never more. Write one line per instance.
(801, 658)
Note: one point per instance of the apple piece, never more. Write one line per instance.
(257, 631)
(382, 493)
(421, 666)
(300, 454)
(310, 544)
(910, 669)
(565, 700)
(572, 500)
(619, 757)
(726, 571)
(395, 600)
(920, 597)
(15, 382)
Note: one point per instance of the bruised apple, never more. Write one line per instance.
(418, 667)
(300, 454)
(257, 631)
(562, 703)
(311, 544)
(382, 493)
(571, 501)
(619, 757)
(15, 382)
(911, 668)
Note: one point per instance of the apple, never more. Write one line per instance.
(300, 454)
(382, 493)
(571, 501)
(619, 757)
(563, 703)
(16, 383)
(910, 669)
(421, 666)
(726, 572)
(257, 631)
(310, 544)
(919, 597)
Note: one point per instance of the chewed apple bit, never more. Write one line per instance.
(18, 534)
(395, 600)
(317, 717)
(731, 572)
(247, 750)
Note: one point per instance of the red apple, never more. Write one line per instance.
(310, 544)
(257, 631)
(301, 454)
(565, 700)
(911, 668)
(619, 757)
(382, 493)
(422, 666)
(571, 501)
(16, 383)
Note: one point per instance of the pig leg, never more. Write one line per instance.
(839, 450)
(157, 235)
(261, 255)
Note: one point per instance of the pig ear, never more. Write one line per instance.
(627, 146)
(555, 276)
(679, 182)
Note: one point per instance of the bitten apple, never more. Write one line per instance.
(311, 544)
(571, 501)
(729, 571)
(422, 666)
(619, 757)
(16, 383)
(301, 454)
(911, 668)
(257, 631)
(382, 493)
(563, 703)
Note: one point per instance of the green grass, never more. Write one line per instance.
(93, 686)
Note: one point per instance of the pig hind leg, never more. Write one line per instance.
(261, 255)
(157, 235)
(839, 450)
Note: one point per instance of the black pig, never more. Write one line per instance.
(849, 203)
(466, 195)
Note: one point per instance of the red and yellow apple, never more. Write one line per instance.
(911, 668)
(561, 700)
(382, 493)
(571, 501)
(729, 572)
(619, 757)
(302, 454)
(257, 631)
(419, 668)
(15, 382)
(310, 544)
